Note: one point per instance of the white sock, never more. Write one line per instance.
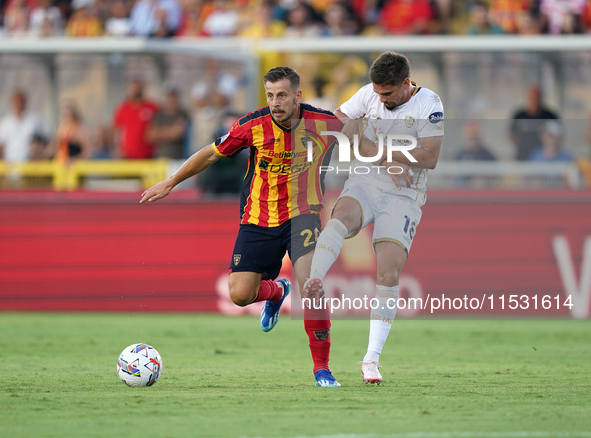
(328, 247)
(381, 320)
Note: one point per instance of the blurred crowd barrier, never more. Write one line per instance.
(61, 176)
(142, 174)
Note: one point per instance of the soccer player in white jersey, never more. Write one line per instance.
(390, 104)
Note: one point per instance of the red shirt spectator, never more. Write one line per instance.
(16, 17)
(407, 16)
(133, 117)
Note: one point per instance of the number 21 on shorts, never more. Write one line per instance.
(308, 233)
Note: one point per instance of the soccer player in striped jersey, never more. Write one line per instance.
(279, 204)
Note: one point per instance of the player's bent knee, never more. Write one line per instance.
(348, 212)
(241, 296)
(351, 222)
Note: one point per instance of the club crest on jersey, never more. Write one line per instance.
(237, 258)
(409, 121)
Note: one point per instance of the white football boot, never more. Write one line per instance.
(369, 371)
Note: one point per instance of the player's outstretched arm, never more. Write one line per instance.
(196, 163)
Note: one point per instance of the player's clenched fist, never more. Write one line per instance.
(156, 192)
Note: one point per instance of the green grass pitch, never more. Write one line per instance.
(223, 377)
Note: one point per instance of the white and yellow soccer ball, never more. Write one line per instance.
(139, 365)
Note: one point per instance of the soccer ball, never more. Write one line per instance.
(139, 365)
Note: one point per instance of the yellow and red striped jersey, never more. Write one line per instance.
(280, 183)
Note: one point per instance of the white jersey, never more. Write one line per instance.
(16, 134)
(420, 117)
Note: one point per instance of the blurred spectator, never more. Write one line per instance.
(527, 123)
(407, 17)
(16, 18)
(527, 24)
(102, 10)
(133, 117)
(573, 24)
(551, 149)
(169, 128)
(228, 173)
(103, 147)
(71, 138)
(118, 24)
(214, 80)
(155, 18)
(84, 22)
(444, 10)
(587, 16)
(504, 13)
(39, 146)
(65, 9)
(17, 129)
(588, 132)
(346, 78)
(321, 6)
(262, 23)
(474, 149)
(320, 99)
(563, 16)
(367, 12)
(338, 22)
(479, 21)
(223, 21)
(210, 96)
(194, 14)
(300, 24)
(270, 18)
(206, 118)
(46, 19)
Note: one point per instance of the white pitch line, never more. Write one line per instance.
(457, 435)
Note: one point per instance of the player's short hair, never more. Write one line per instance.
(278, 73)
(390, 68)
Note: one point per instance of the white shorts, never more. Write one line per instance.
(395, 217)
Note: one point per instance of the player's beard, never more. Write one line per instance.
(390, 106)
(283, 116)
